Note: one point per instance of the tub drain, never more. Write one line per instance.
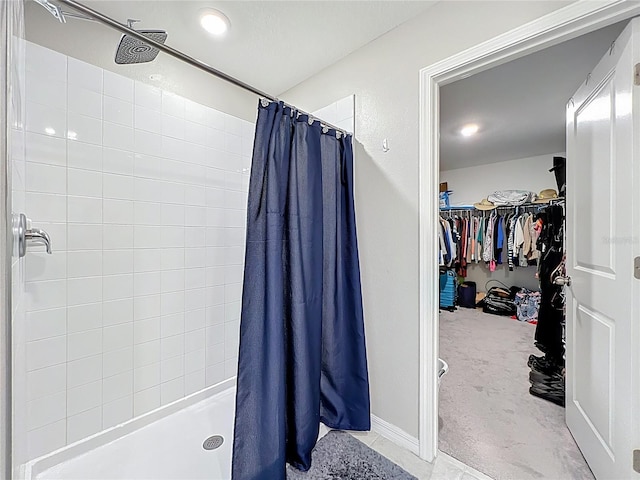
(213, 442)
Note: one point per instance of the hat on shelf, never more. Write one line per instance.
(484, 204)
(545, 196)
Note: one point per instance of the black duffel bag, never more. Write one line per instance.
(500, 301)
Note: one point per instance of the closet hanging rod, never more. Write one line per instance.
(100, 17)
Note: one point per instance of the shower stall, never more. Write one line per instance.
(125, 211)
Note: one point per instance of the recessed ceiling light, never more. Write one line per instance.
(214, 21)
(470, 129)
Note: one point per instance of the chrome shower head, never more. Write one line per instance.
(132, 50)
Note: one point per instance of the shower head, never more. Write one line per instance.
(132, 50)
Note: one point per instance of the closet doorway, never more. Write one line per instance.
(501, 404)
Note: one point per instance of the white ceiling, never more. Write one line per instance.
(273, 45)
(520, 106)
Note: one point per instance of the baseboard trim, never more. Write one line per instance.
(395, 434)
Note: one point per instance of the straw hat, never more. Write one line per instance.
(484, 204)
(545, 196)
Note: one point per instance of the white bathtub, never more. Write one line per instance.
(164, 444)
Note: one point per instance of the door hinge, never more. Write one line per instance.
(636, 74)
(636, 460)
(636, 267)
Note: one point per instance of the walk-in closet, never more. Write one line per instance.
(502, 251)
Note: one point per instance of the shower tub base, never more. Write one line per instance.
(166, 443)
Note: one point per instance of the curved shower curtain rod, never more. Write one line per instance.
(92, 14)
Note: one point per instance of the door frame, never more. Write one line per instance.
(564, 24)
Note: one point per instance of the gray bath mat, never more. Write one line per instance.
(339, 456)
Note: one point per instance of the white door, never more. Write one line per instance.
(603, 375)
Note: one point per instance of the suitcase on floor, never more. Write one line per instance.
(448, 289)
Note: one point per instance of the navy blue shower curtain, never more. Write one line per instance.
(302, 356)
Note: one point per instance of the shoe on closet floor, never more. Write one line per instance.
(553, 395)
(546, 365)
(543, 378)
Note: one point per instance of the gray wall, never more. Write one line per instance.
(384, 75)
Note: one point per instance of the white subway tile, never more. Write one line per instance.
(172, 214)
(117, 237)
(45, 410)
(118, 137)
(117, 412)
(148, 143)
(147, 119)
(172, 346)
(146, 377)
(195, 340)
(84, 237)
(195, 299)
(118, 186)
(117, 287)
(146, 307)
(172, 258)
(146, 283)
(116, 337)
(196, 112)
(233, 125)
(84, 102)
(148, 96)
(118, 111)
(81, 318)
(84, 75)
(172, 303)
(147, 213)
(146, 260)
(216, 237)
(195, 257)
(172, 281)
(146, 400)
(84, 424)
(43, 266)
(117, 361)
(46, 120)
(46, 381)
(84, 290)
(117, 261)
(117, 211)
(214, 374)
(194, 278)
(233, 273)
(215, 335)
(231, 367)
(217, 119)
(232, 311)
(84, 370)
(85, 209)
(43, 207)
(117, 161)
(172, 390)
(173, 127)
(172, 324)
(195, 216)
(84, 182)
(215, 276)
(231, 339)
(118, 311)
(172, 368)
(45, 178)
(214, 296)
(84, 397)
(146, 353)
(46, 439)
(84, 129)
(46, 149)
(84, 155)
(194, 320)
(44, 295)
(84, 344)
(172, 104)
(232, 292)
(117, 386)
(194, 382)
(146, 330)
(195, 133)
(46, 323)
(43, 63)
(118, 86)
(233, 144)
(194, 361)
(84, 263)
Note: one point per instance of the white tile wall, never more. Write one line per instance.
(144, 195)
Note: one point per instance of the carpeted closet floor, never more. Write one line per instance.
(488, 419)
